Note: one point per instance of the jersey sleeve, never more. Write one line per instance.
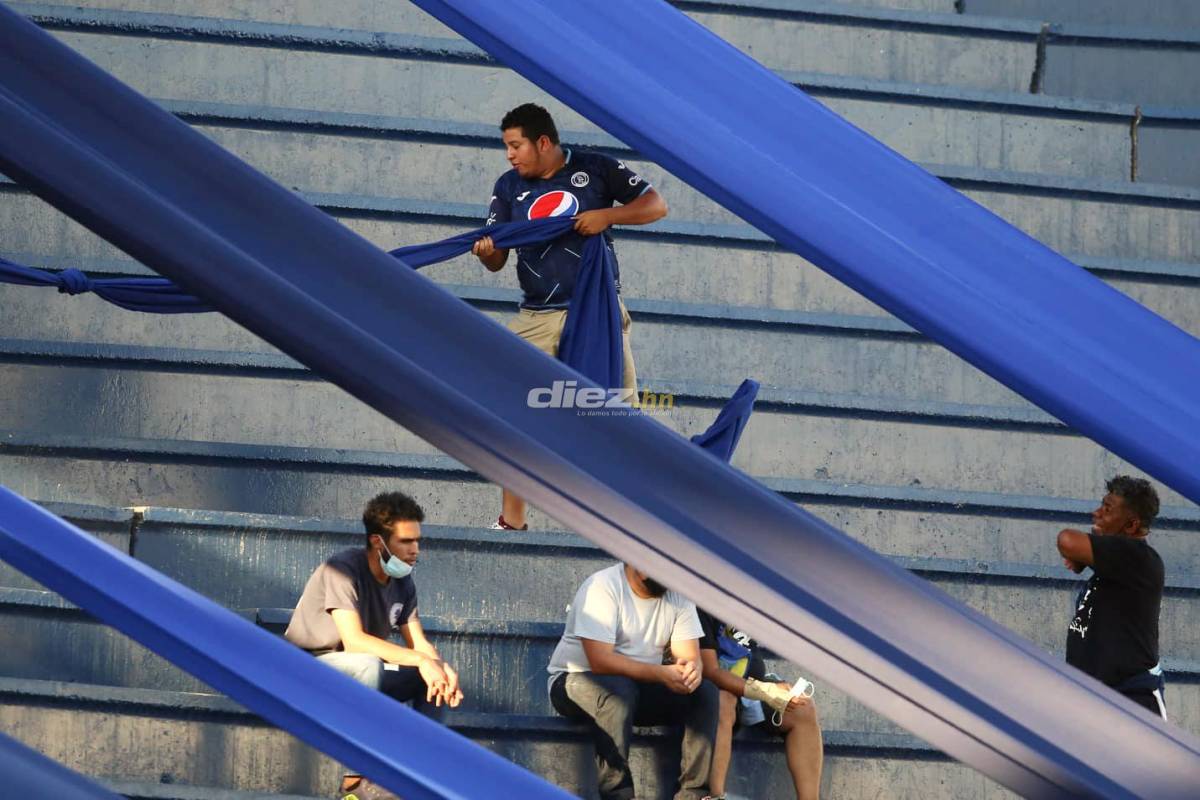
(1123, 560)
(500, 206)
(624, 184)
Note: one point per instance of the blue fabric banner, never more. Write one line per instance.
(154, 295)
(29, 775)
(950, 268)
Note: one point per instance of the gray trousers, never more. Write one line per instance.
(613, 704)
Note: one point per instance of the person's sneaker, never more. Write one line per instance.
(367, 789)
(501, 525)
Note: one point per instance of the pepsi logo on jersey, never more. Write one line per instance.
(554, 204)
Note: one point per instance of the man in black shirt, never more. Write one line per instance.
(1114, 634)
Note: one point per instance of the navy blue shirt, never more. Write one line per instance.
(587, 181)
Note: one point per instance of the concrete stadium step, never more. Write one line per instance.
(1014, 55)
(151, 790)
(710, 272)
(501, 662)
(984, 54)
(144, 735)
(255, 561)
(463, 172)
(902, 520)
(927, 123)
(1123, 220)
(802, 351)
(812, 357)
(1172, 15)
(953, 447)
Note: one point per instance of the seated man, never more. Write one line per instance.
(731, 661)
(608, 671)
(354, 600)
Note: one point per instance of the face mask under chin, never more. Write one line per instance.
(392, 566)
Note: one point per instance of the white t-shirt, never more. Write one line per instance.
(607, 610)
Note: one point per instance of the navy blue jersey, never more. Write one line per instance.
(587, 181)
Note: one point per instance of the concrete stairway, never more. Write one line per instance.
(253, 469)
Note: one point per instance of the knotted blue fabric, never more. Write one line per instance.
(153, 295)
(591, 338)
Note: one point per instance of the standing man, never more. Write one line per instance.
(1114, 634)
(548, 180)
(732, 662)
(356, 599)
(608, 671)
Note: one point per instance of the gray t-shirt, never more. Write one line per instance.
(345, 581)
(607, 610)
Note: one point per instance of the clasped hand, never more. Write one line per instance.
(441, 682)
(682, 677)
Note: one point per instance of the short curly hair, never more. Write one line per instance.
(1139, 497)
(533, 120)
(387, 509)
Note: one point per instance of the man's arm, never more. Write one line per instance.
(489, 255)
(649, 207)
(723, 678)
(1076, 549)
(433, 672)
(604, 660)
(414, 633)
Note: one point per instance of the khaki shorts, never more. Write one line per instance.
(543, 329)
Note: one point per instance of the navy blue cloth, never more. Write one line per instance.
(725, 124)
(722, 437)
(549, 272)
(154, 295)
(591, 338)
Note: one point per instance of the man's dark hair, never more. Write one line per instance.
(533, 120)
(386, 510)
(1139, 497)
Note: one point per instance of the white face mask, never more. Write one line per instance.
(393, 566)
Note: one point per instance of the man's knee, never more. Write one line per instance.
(607, 694)
(804, 717)
(362, 667)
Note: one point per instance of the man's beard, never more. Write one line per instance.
(655, 588)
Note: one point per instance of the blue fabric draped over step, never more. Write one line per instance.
(591, 338)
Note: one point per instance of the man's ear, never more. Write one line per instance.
(544, 145)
